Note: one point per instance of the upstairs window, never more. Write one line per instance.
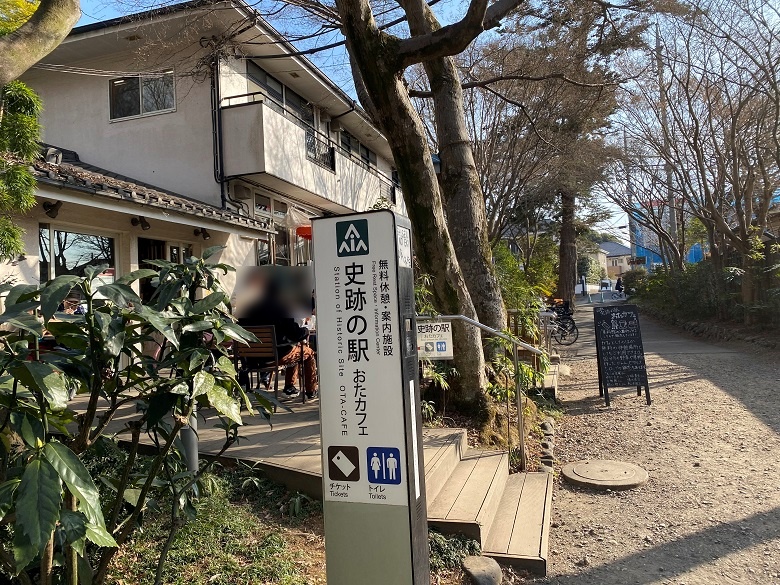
(145, 94)
(353, 146)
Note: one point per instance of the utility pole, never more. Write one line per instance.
(630, 197)
(665, 130)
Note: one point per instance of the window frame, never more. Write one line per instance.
(83, 230)
(140, 79)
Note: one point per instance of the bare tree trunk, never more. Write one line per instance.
(460, 184)
(36, 38)
(464, 201)
(388, 100)
(567, 254)
(748, 288)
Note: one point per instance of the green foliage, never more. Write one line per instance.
(428, 408)
(439, 373)
(423, 294)
(14, 13)
(506, 378)
(19, 134)
(635, 280)
(518, 286)
(447, 552)
(590, 267)
(99, 355)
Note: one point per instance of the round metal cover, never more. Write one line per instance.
(604, 474)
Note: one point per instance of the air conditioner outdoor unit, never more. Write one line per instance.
(241, 192)
(336, 126)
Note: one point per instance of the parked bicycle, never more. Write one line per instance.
(565, 331)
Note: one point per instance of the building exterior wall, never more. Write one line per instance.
(172, 150)
(85, 217)
(617, 265)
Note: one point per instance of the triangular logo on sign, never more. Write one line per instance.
(352, 237)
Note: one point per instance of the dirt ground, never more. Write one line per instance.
(710, 441)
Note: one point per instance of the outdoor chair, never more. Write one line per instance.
(264, 356)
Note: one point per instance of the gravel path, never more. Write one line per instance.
(711, 443)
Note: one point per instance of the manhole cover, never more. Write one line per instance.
(604, 474)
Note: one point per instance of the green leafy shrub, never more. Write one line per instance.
(59, 520)
(635, 281)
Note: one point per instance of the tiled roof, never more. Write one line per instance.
(615, 249)
(71, 172)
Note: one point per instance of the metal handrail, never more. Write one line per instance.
(518, 391)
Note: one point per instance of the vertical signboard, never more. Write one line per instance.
(619, 353)
(374, 495)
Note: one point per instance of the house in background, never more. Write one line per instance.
(617, 258)
(189, 126)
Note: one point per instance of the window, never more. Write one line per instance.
(263, 252)
(262, 205)
(146, 94)
(299, 106)
(65, 252)
(269, 85)
(353, 146)
(349, 142)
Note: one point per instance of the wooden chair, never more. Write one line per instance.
(265, 353)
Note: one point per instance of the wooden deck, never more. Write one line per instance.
(468, 492)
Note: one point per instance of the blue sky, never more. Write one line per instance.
(333, 63)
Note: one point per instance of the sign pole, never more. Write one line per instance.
(376, 527)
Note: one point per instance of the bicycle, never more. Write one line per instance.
(565, 331)
(618, 294)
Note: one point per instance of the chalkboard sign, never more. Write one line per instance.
(621, 358)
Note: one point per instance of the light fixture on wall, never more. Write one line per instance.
(203, 233)
(52, 209)
(141, 220)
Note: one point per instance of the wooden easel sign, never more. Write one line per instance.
(619, 351)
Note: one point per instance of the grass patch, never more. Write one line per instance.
(447, 552)
(240, 535)
(547, 407)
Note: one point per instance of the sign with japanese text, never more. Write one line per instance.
(620, 355)
(359, 355)
(434, 340)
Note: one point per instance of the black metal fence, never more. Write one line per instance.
(320, 151)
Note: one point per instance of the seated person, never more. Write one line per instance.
(270, 310)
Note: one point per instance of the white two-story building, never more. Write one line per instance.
(195, 122)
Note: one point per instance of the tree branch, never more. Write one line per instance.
(483, 83)
(36, 38)
(454, 38)
(333, 45)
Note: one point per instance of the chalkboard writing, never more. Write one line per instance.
(621, 358)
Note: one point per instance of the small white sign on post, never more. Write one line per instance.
(434, 340)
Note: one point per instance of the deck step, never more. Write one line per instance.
(550, 384)
(468, 502)
(519, 535)
(443, 449)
